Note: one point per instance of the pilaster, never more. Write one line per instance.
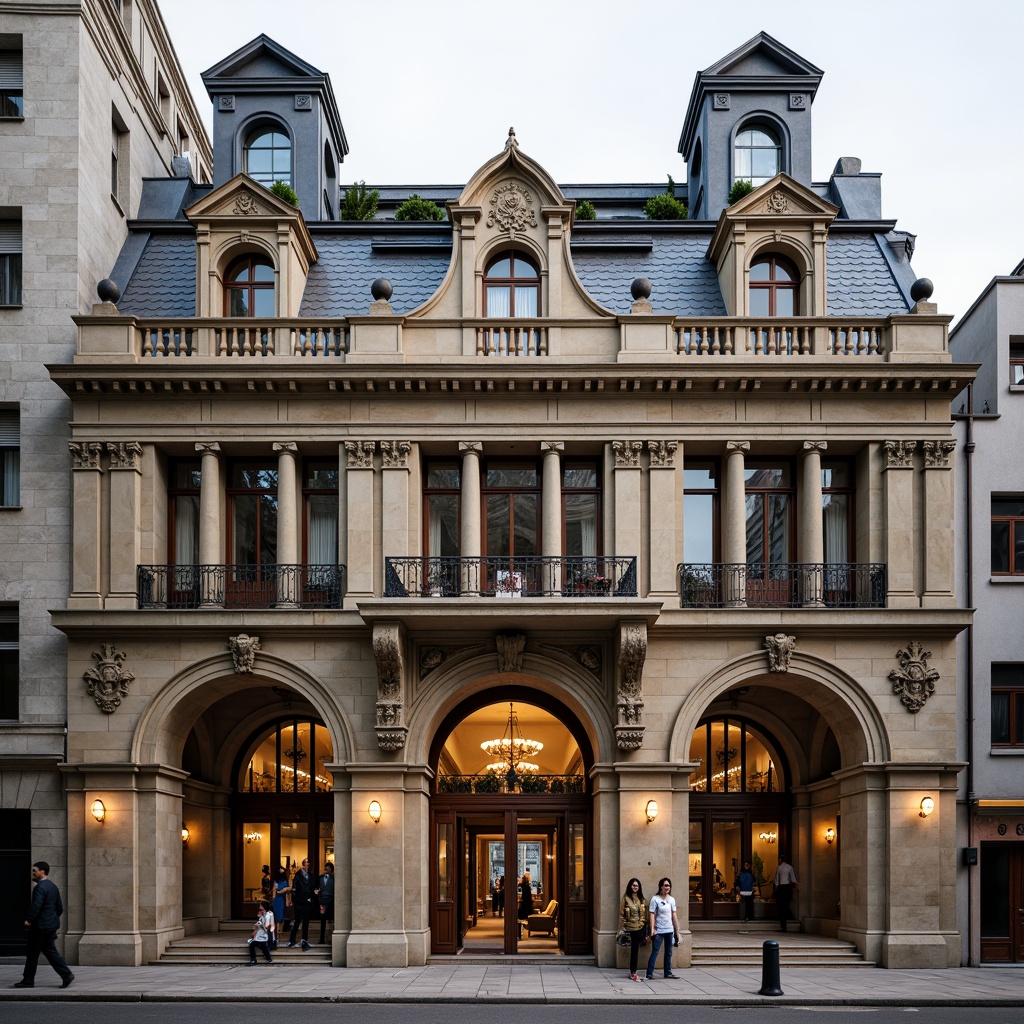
(900, 537)
(125, 499)
(664, 533)
(361, 540)
(628, 535)
(938, 518)
(86, 498)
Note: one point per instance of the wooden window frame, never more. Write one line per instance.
(775, 285)
(512, 282)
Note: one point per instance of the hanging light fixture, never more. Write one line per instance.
(512, 750)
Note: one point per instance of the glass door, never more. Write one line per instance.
(512, 522)
(726, 861)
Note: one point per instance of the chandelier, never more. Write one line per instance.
(512, 750)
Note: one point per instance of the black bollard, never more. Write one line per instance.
(770, 969)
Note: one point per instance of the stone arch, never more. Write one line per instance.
(773, 123)
(252, 124)
(165, 724)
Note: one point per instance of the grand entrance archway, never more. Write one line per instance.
(511, 828)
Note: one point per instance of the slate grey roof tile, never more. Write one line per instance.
(859, 280)
(164, 282)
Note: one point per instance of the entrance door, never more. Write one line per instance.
(1002, 902)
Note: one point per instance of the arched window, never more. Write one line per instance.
(511, 287)
(757, 157)
(249, 287)
(774, 287)
(268, 156)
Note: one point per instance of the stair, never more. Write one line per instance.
(226, 948)
(741, 946)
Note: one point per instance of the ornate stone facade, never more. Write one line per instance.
(108, 682)
(913, 682)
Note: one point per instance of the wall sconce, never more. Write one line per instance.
(184, 834)
(651, 810)
(927, 806)
(98, 811)
(374, 811)
(767, 837)
(830, 836)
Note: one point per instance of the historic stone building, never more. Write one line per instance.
(448, 551)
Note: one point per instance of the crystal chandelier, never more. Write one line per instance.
(512, 750)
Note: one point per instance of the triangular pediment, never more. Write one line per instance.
(241, 197)
(763, 56)
(781, 197)
(262, 59)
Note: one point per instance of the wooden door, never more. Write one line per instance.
(444, 922)
(1002, 902)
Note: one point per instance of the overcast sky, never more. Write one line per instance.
(924, 91)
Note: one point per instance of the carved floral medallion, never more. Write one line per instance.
(107, 683)
(913, 682)
(511, 209)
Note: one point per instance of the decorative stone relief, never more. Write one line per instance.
(798, 101)
(737, 446)
(303, 101)
(627, 453)
(589, 658)
(243, 652)
(629, 702)
(227, 103)
(780, 650)
(899, 454)
(722, 101)
(512, 209)
(431, 658)
(552, 446)
(663, 454)
(387, 651)
(937, 453)
(208, 447)
(395, 454)
(245, 203)
(107, 683)
(85, 455)
(124, 454)
(510, 651)
(777, 202)
(913, 682)
(360, 454)
(815, 446)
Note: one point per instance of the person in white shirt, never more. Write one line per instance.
(260, 936)
(664, 927)
(785, 883)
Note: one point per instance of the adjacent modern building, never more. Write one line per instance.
(511, 544)
(990, 568)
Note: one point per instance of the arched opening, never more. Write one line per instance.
(774, 286)
(249, 287)
(511, 287)
(757, 155)
(268, 156)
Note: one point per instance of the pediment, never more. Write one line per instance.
(781, 197)
(260, 58)
(763, 56)
(241, 197)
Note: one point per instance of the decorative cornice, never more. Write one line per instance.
(627, 454)
(663, 454)
(124, 454)
(937, 453)
(85, 455)
(395, 454)
(360, 454)
(899, 454)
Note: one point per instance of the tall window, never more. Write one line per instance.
(769, 502)
(249, 287)
(511, 287)
(837, 511)
(12, 101)
(252, 496)
(581, 506)
(700, 513)
(120, 156)
(9, 661)
(320, 495)
(289, 758)
(734, 759)
(268, 156)
(183, 495)
(1008, 536)
(773, 287)
(441, 501)
(10, 258)
(757, 157)
(10, 458)
(1008, 705)
(512, 503)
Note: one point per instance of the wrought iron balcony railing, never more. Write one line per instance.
(511, 576)
(783, 585)
(492, 782)
(240, 586)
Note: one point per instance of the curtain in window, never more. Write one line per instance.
(435, 529)
(499, 302)
(835, 528)
(12, 477)
(526, 302)
(323, 531)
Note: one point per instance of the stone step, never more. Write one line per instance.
(783, 963)
(531, 959)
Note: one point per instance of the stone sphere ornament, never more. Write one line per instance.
(381, 289)
(921, 290)
(108, 291)
(641, 288)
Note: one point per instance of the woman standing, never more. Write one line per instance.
(634, 919)
(281, 889)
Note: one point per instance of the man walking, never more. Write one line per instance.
(43, 922)
(326, 893)
(302, 904)
(785, 883)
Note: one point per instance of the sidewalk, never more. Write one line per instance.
(512, 983)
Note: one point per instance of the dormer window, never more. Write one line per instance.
(268, 157)
(249, 288)
(511, 287)
(757, 156)
(774, 287)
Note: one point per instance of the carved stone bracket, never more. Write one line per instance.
(780, 650)
(510, 651)
(85, 455)
(124, 454)
(937, 453)
(899, 454)
(395, 454)
(244, 649)
(627, 454)
(387, 651)
(107, 683)
(360, 454)
(629, 700)
(663, 454)
(913, 682)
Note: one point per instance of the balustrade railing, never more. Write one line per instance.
(495, 782)
(240, 586)
(242, 338)
(512, 338)
(511, 576)
(778, 336)
(783, 585)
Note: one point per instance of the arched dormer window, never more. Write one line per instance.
(249, 288)
(511, 287)
(268, 156)
(757, 156)
(774, 287)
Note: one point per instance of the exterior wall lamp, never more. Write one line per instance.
(98, 811)
(374, 811)
(830, 836)
(927, 806)
(184, 835)
(651, 810)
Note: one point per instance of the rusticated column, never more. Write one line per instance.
(209, 522)
(125, 494)
(85, 566)
(734, 548)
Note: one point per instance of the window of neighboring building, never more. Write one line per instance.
(581, 507)
(441, 498)
(163, 97)
(757, 156)
(249, 287)
(12, 100)
(773, 287)
(10, 458)
(9, 661)
(10, 257)
(511, 287)
(268, 156)
(1016, 362)
(700, 513)
(1008, 705)
(1008, 536)
(320, 497)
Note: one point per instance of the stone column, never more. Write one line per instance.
(899, 523)
(734, 546)
(342, 506)
(359, 479)
(395, 498)
(125, 494)
(86, 548)
(937, 480)
(210, 592)
(471, 531)
(665, 531)
(628, 536)
(551, 515)
(289, 584)
(811, 544)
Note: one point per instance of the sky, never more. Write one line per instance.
(923, 91)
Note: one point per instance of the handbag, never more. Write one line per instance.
(622, 938)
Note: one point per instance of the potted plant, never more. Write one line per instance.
(534, 784)
(597, 584)
(489, 783)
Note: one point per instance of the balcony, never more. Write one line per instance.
(783, 585)
(240, 586)
(505, 577)
(777, 336)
